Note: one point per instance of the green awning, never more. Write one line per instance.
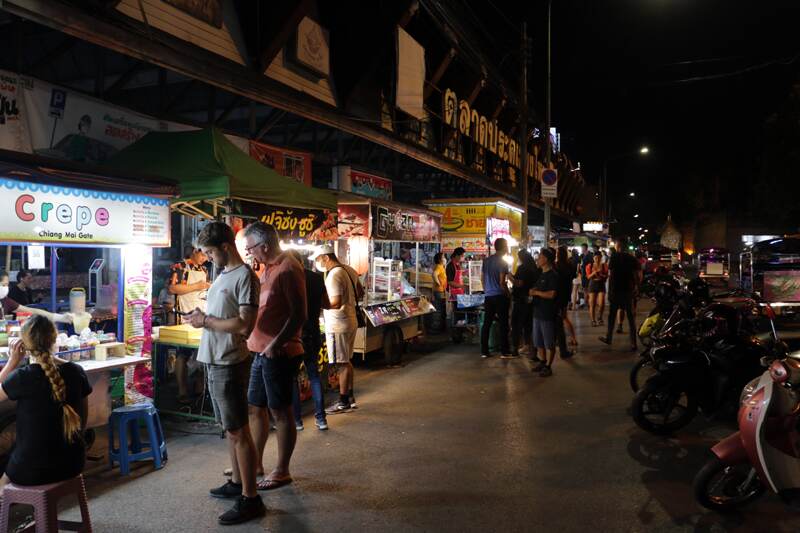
(208, 167)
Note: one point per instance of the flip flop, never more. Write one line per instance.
(272, 484)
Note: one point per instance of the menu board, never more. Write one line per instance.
(390, 312)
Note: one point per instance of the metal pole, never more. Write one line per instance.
(547, 126)
(53, 280)
(604, 191)
(523, 138)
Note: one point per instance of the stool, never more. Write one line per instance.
(44, 499)
(125, 423)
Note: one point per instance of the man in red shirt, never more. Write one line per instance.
(277, 348)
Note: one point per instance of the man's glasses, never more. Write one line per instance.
(249, 249)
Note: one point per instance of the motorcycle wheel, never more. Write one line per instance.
(640, 373)
(723, 488)
(660, 409)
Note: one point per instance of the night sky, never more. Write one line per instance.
(625, 74)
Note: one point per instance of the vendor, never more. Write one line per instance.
(189, 281)
(10, 305)
(21, 291)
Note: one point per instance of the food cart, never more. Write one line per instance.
(383, 241)
(49, 212)
(217, 180)
(475, 223)
(772, 269)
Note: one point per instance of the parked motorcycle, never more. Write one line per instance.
(703, 367)
(765, 452)
(671, 307)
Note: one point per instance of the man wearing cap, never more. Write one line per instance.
(344, 290)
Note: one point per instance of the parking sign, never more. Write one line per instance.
(58, 101)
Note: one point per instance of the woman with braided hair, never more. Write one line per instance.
(52, 403)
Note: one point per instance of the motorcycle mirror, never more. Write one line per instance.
(778, 372)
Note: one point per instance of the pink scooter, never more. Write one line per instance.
(765, 452)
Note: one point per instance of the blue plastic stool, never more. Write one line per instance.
(125, 422)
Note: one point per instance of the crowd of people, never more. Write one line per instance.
(531, 307)
(258, 328)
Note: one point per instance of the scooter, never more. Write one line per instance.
(765, 452)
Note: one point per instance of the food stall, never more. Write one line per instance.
(49, 212)
(772, 269)
(383, 242)
(217, 180)
(475, 223)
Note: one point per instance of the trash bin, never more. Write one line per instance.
(494, 333)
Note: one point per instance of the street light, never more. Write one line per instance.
(636, 215)
(644, 150)
(632, 194)
(640, 229)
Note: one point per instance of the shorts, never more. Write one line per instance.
(596, 286)
(340, 347)
(544, 334)
(227, 386)
(272, 381)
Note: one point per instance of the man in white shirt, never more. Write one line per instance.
(344, 290)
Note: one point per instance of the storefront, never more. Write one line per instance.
(109, 232)
(391, 246)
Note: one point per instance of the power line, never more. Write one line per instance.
(746, 70)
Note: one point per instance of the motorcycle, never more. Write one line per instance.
(765, 452)
(702, 369)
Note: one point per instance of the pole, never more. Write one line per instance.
(547, 125)
(604, 191)
(523, 138)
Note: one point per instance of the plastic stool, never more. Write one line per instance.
(125, 423)
(44, 499)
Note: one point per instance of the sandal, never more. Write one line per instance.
(272, 484)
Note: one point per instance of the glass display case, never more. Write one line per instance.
(475, 276)
(386, 281)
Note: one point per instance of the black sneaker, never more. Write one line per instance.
(244, 510)
(353, 404)
(567, 355)
(605, 340)
(228, 490)
(546, 372)
(539, 366)
(338, 407)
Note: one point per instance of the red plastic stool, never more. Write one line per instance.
(44, 499)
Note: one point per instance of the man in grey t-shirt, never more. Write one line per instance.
(228, 321)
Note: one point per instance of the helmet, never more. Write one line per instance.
(698, 291)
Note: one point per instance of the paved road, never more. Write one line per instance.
(450, 442)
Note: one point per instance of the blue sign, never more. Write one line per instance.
(58, 101)
(549, 177)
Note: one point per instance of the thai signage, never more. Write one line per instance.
(370, 185)
(353, 220)
(45, 213)
(485, 132)
(394, 224)
(464, 219)
(306, 224)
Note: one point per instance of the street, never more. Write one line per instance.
(451, 442)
